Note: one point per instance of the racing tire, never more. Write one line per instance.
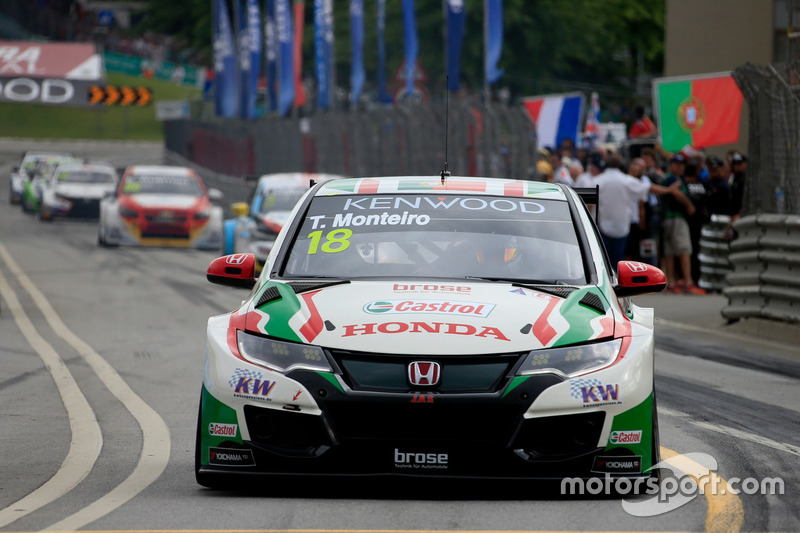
(43, 217)
(102, 242)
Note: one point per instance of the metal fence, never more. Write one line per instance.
(494, 141)
(773, 175)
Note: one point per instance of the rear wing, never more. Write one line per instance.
(590, 196)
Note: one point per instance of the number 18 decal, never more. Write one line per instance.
(336, 240)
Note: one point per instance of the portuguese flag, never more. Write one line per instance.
(698, 111)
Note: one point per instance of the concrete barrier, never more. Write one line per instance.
(765, 280)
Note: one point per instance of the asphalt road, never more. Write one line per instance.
(102, 353)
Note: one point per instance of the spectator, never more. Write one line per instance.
(638, 213)
(738, 164)
(618, 192)
(675, 236)
(697, 192)
(575, 170)
(544, 171)
(643, 127)
(719, 191)
(560, 172)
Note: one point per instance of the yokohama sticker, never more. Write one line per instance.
(230, 457)
(618, 465)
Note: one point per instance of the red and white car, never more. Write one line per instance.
(159, 205)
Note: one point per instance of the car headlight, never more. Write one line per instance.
(203, 215)
(127, 212)
(571, 361)
(279, 355)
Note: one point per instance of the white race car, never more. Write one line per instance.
(418, 326)
(257, 222)
(75, 189)
(160, 205)
(31, 164)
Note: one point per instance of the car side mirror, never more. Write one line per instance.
(235, 270)
(635, 278)
(215, 195)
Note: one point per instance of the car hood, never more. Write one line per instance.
(275, 220)
(178, 201)
(84, 190)
(420, 317)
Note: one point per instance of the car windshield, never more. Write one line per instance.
(277, 200)
(85, 176)
(505, 238)
(161, 184)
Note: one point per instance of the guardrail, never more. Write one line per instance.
(765, 281)
(713, 254)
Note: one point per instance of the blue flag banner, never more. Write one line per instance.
(243, 47)
(225, 97)
(272, 55)
(357, 41)
(323, 51)
(383, 94)
(455, 35)
(254, 46)
(494, 39)
(284, 30)
(412, 47)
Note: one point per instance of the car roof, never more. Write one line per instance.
(434, 184)
(299, 179)
(162, 170)
(86, 166)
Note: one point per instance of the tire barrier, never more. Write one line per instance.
(713, 254)
(765, 281)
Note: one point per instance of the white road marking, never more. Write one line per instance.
(155, 434)
(737, 433)
(87, 439)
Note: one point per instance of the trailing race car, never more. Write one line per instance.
(32, 164)
(159, 205)
(33, 188)
(412, 326)
(75, 189)
(257, 223)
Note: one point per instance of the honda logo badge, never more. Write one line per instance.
(424, 373)
(236, 259)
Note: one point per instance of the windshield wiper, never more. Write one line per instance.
(519, 281)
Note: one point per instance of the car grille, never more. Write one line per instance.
(459, 374)
(165, 223)
(397, 422)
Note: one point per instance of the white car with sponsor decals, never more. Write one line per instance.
(75, 189)
(257, 222)
(405, 325)
(33, 163)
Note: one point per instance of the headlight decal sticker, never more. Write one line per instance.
(314, 324)
(542, 329)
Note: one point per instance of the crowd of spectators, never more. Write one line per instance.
(653, 207)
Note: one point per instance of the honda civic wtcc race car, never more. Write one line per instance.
(75, 189)
(412, 326)
(160, 205)
(32, 164)
(257, 222)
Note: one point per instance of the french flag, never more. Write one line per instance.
(556, 116)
